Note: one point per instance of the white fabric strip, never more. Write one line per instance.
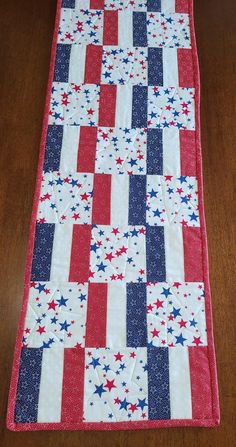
(170, 67)
(125, 29)
(60, 265)
(171, 152)
(116, 315)
(77, 64)
(180, 387)
(124, 106)
(50, 392)
(174, 251)
(167, 6)
(119, 199)
(69, 149)
(82, 4)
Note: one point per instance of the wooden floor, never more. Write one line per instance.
(26, 29)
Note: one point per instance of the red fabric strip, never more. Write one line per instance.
(107, 106)
(110, 28)
(96, 4)
(73, 385)
(200, 382)
(182, 6)
(80, 253)
(192, 254)
(96, 315)
(188, 152)
(101, 214)
(185, 67)
(87, 149)
(93, 64)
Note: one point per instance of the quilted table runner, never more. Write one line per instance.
(116, 328)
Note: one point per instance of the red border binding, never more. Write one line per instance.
(215, 420)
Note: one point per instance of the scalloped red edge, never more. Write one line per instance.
(215, 420)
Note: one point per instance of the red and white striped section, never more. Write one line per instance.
(110, 199)
(106, 315)
(79, 143)
(179, 152)
(181, 62)
(90, 68)
(61, 396)
(183, 252)
(167, 6)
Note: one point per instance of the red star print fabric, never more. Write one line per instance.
(116, 326)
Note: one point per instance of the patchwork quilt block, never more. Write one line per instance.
(116, 326)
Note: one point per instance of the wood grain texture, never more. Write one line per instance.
(26, 29)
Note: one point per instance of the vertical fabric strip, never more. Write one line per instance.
(155, 253)
(182, 6)
(139, 29)
(101, 213)
(171, 151)
(180, 388)
(49, 406)
(200, 382)
(87, 149)
(69, 149)
(136, 315)
(119, 199)
(174, 250)
(124, 106)
(116, 315)
(96, 4)
(110, 28)
(26, 408)
(107, 106)
(168, 6)
(60, 265)
(154, 151)
(73, 385)
(77, 65)
(125, 28)
(137, 200)
(188, 152)
(53, 148)
(155, 66)
(93, 64)
(192, 254)
(158, 383)
(96, 315)
(68, 3)
(170, 67)
(154, 5)
(185, 66)
(62, 63)
(80, 253)
(139, 106)
(43, 243)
